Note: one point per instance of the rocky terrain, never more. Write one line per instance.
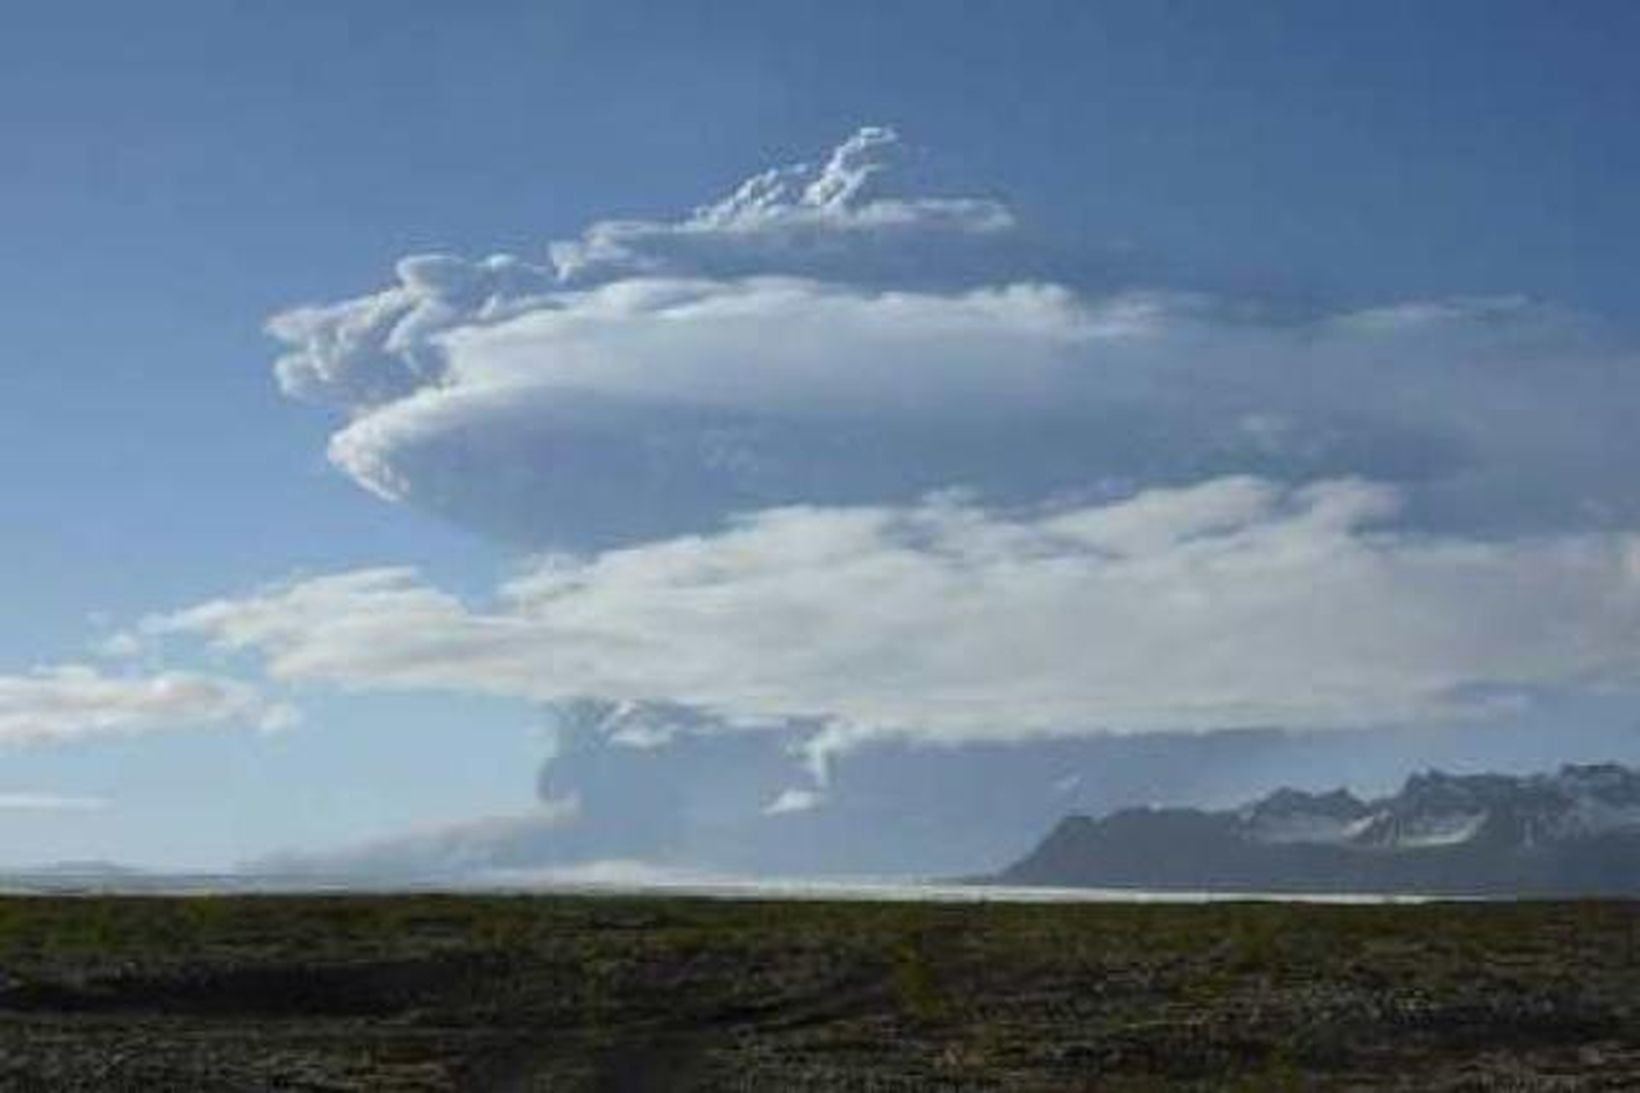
(581, 993)
(1575, 832)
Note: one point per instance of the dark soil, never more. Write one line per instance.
(425, 992)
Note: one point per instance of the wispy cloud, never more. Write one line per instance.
(794, 799)
(73, 701)
(50, 802)
(467, 847)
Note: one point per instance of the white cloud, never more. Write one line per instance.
(50, 802)
(794, 799)
(796, 220)
(1236, 602)
(817, 337)
(69, 702)
(929, 418)
(837, 218)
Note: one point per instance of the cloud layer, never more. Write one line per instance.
(74, 701)
(1236, 602)
(820, 337)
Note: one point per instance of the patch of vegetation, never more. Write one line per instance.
(512, 992)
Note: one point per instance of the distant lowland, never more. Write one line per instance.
(1571, 833)
(1574, 832)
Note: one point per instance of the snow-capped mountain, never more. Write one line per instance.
(1573, 831)
(1436, 809)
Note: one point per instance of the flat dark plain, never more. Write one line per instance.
(524, 992)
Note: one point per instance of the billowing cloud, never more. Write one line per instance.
(69, 702)
(842, 459)
(820, 337)
(835, 220)
(825, 223)
(1236, 602)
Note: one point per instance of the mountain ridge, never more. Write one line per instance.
(1575, 831)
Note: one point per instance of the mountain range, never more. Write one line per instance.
(1572, 832)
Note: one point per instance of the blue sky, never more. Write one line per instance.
(177, 174)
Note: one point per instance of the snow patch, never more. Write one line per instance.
(1440, 830)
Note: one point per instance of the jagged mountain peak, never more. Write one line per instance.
(1575, 829)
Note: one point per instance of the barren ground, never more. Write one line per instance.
(523, 992)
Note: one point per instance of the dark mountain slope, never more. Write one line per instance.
(1574, 832)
